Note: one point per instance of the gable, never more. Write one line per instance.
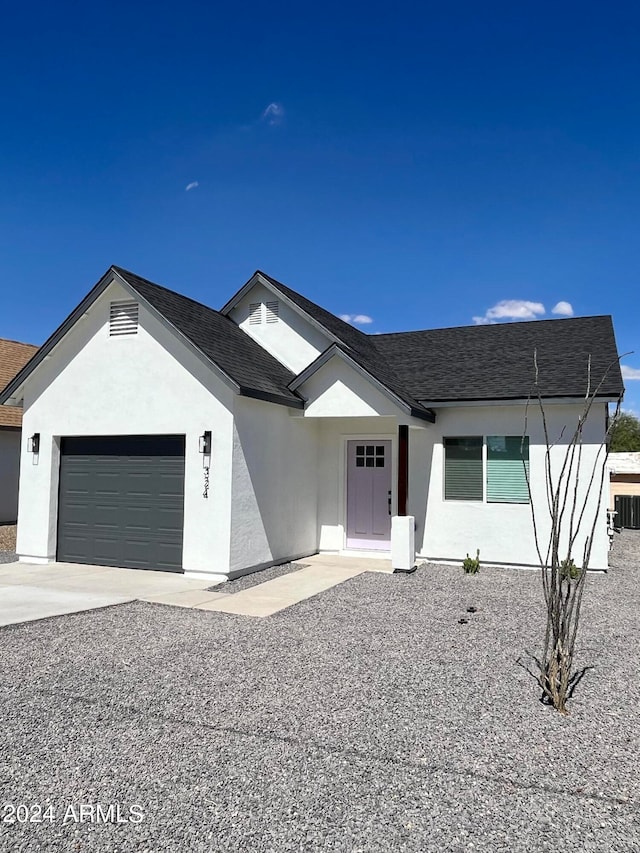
(270, 319)
(96, 373)
(337, 389)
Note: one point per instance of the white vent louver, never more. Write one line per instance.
(123, 318)
(255, 313)
(273, 312)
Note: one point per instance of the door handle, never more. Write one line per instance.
(389, 500)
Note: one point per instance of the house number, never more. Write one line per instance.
(205, 493)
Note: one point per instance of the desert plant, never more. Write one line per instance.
(571, 483)
(569, 570)
(471, 565)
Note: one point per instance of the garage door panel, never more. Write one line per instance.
(122, 504)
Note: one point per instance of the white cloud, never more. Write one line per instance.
(274, 113)
(191, 186)
(564, 309)
(358, 319)
(511, 309)
(630, 372)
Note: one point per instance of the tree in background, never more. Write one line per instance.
(625, 433)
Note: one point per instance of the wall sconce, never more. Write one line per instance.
(204, 443)
(33, 443)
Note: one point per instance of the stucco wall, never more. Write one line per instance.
(338, 390)
(502, 532)
(144, 384)
(9, 473)
(274, 495)
(292, 340)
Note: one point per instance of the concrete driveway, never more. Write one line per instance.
(29, 592)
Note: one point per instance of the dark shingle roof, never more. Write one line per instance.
(495, 362)
(358, 345)
(220, 339)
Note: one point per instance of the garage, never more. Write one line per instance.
(121, 501)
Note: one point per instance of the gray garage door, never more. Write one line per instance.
(121, 501)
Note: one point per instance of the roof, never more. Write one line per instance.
(496, 362)
(13, 357)
(359, 346)
(624, 463)
(250, 366)
(475, 363)
(421, 369)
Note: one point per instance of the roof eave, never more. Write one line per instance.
(268, 397)
(497, 401)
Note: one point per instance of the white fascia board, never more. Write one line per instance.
(259, 279)
(522, 401)
(327, 355)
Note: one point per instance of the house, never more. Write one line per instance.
(624, 488)
(162, 434)
(13, 356)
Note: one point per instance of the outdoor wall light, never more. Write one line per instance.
(204, 444)
(33, 443)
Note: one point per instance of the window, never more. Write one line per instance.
(369, 456)
(506, 475)
(463, 469)
(467, 467)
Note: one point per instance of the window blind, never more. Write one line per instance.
(507, 469)
(463, 469)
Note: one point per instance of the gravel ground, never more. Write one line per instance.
(8, 537)
(8, 556)
(364, 719)
(247, 581)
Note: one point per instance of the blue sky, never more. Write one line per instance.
(418, 164)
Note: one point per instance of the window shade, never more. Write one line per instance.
(463, 469)
(506, 477)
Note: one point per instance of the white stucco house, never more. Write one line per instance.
(159, 433)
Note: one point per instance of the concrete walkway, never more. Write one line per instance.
(29, 592)
(320, 572)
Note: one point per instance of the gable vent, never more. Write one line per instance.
(273, 312)
(123, 318)
(255, 313)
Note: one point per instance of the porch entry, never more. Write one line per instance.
(369, 494)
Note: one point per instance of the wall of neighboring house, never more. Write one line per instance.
(623, 484)
(9, 474)
(274, 489)
(448, 529)
(292, 339)
(148, 383)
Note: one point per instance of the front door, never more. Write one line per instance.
(369, 495)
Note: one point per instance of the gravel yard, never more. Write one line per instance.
(247, 581)
(7, 543)
(364, 719)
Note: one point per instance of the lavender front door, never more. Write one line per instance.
(369, 494)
